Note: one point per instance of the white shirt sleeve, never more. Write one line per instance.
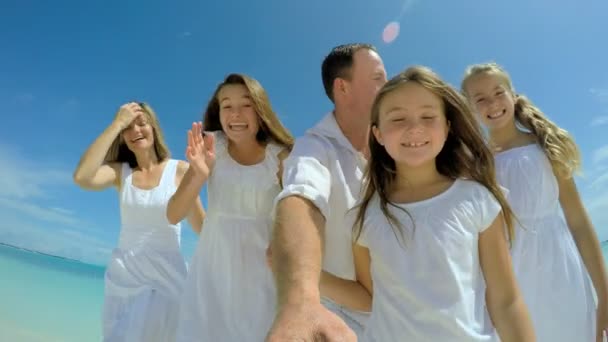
(488, 208)
(306, 173)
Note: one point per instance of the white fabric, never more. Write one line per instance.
(146, 271)
(427, 280)
(230, 294)
(325, 169)
(549, 269)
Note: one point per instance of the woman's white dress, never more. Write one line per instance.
(145, 274)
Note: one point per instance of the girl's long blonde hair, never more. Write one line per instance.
(557, 143)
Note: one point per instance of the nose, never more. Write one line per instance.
(414, 127)
(235, 113)
(492, 103)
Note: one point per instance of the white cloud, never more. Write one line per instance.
(31, 221)
(184, 34)
(78, 245)
(600, 181)
(596, 194)
(599, 121)
(600, 93)
(45, 214)
(21, 178)
(597, 206)
(600, 155)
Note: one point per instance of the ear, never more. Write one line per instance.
(377, 135)
(340, 86)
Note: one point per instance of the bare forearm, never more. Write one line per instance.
(349, 293)
(197, 217)
(512, 321)
(297, 248)
(94, 156)
(185, 196)
(589, 248)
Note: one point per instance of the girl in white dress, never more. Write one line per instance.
(145, 274)
(430, 243)
(537, 167)
(230, 293)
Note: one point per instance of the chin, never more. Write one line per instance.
(413, 162)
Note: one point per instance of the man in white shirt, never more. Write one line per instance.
(321, 181)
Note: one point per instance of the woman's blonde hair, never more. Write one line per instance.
(119, 152)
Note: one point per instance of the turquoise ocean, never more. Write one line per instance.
(46, 298)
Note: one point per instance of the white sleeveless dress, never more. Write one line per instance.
(550, 272)
(229, 293)
(145, 275)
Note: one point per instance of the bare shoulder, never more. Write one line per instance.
(181, 169)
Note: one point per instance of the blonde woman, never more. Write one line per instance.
(146, 271)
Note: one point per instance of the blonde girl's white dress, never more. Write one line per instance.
(550, 272)
(145, 274)
(230, 294)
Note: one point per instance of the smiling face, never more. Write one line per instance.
(238, 118)
(492, 99)
(412, 125)
(139, 136)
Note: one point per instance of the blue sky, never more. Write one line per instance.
(66, 67)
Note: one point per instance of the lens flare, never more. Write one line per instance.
(390, 33)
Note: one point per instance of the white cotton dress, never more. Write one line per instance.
(229, 294)
(550, 272)
(428, 284)
(145, 274)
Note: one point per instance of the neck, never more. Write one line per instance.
(246, 152)
(417, 177)
(356, 131)
(505, 136)
(146, 159)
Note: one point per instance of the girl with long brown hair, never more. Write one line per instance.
(430, 243)
(238, 152)
(536, 161)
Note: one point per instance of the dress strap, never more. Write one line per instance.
(168, 176)
(125, 174)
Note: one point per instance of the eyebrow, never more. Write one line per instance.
(399, 108)
(495, 88)
(245, 96)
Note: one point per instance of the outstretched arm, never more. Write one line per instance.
(297, 249)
